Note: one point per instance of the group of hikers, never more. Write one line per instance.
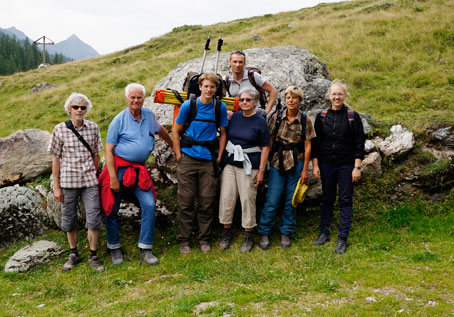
(206, 138)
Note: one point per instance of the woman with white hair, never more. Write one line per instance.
(248, 145)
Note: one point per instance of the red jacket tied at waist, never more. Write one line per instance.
(107, 196)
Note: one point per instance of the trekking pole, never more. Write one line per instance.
(207, 48)
(220, 42)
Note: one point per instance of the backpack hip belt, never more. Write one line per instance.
(212, 146)
(296, 149)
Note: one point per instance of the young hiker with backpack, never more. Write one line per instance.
(291, 132)
(338, 151)
(198, 151)
(241, 77)
(248, 145)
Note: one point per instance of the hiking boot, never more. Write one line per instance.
(94, 263)
(341, 246)
(226, 239)
(285, 241)
(205, 248)
(321, 239)
(148, 257)
(117, 256)
(73, 259)
(247, 242)
(185, 249)
(264, 242)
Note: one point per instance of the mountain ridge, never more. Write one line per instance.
(73, 47)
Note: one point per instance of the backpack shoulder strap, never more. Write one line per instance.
(69, 124)
(192, 111)
(279, 118)
(251, 77)
(227, 82)
(217, 112)
(323, 114)
(303, 125)
(350, 116)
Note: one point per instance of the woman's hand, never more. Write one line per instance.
(304, 176)
(258, 179)
(356, 175)
(316, 171)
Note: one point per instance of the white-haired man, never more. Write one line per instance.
(74, 166)
(130, 140)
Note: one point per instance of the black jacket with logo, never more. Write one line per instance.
(337, 142)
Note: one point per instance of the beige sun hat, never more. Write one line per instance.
(299, 194)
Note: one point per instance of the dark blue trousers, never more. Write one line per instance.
(334, 177)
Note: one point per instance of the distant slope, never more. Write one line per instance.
(74, 48)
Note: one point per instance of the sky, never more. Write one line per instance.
(111, 25)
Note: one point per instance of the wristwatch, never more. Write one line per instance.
(358, 167)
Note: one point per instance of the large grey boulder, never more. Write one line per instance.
(398, 144)
(165, 159)
(32, 255)
(23, 156)
(22, 216)
(283, 66)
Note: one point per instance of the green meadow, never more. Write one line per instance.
(396, 57)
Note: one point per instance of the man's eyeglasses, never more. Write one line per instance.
(245, 99)
(237, 52)
(79, 107)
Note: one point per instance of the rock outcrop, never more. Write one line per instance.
(398, 144)
(371, 166)
(32, 255)
(441, 144)
(22, 216)
(23, 156)
(42, 86)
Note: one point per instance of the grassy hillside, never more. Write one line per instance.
(396, 55)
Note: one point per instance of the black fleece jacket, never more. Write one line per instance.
(336, 142)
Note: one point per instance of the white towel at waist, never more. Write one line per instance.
(241, 155)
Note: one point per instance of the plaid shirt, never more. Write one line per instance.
(289, 133)
(77, 168)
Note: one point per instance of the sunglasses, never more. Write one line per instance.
(238, 52)
(246, 99)
(79, 107)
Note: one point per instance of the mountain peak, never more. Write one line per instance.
(73, 37)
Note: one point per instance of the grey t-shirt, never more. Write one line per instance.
(235, 87)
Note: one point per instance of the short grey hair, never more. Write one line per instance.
(251, 92)
(77, 98)
(337, 82)
(134, 85)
